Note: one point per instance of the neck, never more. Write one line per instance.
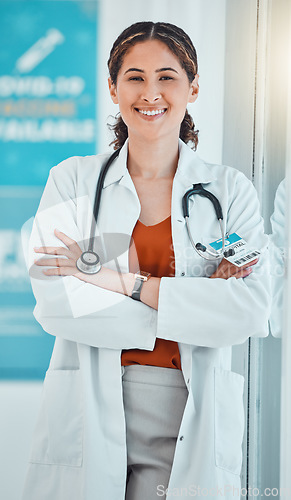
(153, 160)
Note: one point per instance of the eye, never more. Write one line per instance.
(166, 78)
(135, 78)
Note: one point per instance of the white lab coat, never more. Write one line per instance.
(79, 445)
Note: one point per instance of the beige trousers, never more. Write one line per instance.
(154, 401)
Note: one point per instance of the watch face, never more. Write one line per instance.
(143, 275)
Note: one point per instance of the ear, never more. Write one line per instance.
(194, 89)
(112, 90)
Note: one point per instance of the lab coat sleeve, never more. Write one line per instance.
(117, 322)
(277, 247)
(217, 312)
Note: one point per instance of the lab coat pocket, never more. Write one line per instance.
(229, 420)
(58, 435)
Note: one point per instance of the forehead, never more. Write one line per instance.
(152, 53)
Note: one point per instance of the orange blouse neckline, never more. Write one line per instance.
(154, 225)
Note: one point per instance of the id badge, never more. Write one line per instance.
(243, 253)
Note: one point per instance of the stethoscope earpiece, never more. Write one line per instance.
(200, 247)
(229, 253)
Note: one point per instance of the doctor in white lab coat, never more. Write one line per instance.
(79, 446)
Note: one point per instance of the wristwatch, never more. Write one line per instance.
(140, 278)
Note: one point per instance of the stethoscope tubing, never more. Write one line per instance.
(200, 249)
(97, 200)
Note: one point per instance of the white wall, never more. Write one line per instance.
(204, 21)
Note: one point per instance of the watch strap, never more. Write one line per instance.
(137, 288)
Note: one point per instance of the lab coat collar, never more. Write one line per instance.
(190, 170)
(118, 168)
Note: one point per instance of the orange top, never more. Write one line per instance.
(153, 252)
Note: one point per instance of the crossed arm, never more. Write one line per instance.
(64, 264)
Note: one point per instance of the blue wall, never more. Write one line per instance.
(47, 113)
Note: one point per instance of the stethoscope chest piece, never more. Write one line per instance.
(89, 263)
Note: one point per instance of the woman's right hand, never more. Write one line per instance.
(227, 270)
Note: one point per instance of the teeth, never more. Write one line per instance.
(152, 113)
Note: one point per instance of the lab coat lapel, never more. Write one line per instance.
(121, 208)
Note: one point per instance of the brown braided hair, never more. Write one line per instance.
(179, 43)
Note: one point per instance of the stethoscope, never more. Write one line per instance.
(89, 261)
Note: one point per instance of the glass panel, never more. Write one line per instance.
(273, 205)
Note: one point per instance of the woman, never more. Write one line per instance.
(139, 400)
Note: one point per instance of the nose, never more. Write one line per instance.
(151, 93)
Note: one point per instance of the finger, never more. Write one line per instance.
(60, 271)
(64, 238)
(243, 273)
(243, 269)
(247, 272)
(251, 263)
(52, 250)
(232, 270)
(55, 262)
(226, 271)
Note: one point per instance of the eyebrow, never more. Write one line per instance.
(157, 70)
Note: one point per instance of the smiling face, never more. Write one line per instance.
(152, 91)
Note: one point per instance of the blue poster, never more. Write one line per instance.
(47, 113)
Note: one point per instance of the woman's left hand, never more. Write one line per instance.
(227, 270)
(64, 266)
